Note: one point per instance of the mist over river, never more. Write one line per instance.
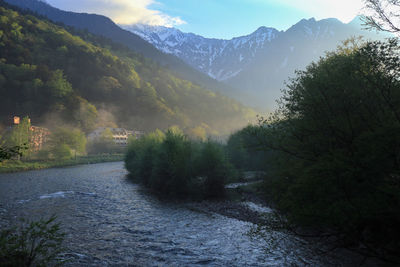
(108, 220)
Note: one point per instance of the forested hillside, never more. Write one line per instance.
(104, 26)
(49, 72)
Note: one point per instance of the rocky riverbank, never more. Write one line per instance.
(242, 203)
(236, 210)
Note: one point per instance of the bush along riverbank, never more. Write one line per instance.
(21, 165)
(173, 166)
(334, 169)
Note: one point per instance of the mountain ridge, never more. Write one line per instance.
(255, 65)
(251, 68)
(171, 40)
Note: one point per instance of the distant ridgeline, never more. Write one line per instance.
(256, 65)
(57, 75)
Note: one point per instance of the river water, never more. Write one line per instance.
(108, 220)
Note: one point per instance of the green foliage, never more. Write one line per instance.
(215, 168)
(141, 155)
(174, 166)
(20, 136)
(245, 149)
(62, 152)
(171, 170)
(7, 153)
(43, 154)
(336, 142)
(44, 69)
(65, 137)
(35, 244)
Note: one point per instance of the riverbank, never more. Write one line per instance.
(19, 166)
(243, 202)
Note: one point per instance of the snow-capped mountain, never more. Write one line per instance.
(258, 64)
(220, 59)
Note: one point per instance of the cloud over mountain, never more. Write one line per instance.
(120, 11)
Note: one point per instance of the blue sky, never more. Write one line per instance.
(215, 18)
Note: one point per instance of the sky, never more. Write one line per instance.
(216, 18)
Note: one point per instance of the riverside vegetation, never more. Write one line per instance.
(35, 243)
(333, 169)
(66, 146)
(172, 165)
(330, 154)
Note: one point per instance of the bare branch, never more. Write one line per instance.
(385, 15)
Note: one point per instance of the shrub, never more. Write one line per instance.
(141, 154)
(35, 244)
(62, 152)
(245, 150)
(172, 165)
(215, 168)
(336, 139)
(177, 167)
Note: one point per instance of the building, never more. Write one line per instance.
(38, 136)
(120, 135)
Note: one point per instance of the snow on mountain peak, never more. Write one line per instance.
(206, 53)
(224, 59)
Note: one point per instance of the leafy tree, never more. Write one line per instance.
(20, 135)
(174, 166)
(8, 153)
(198, 132)
(64, 138)
(141, 154)
(215, 168)
(34, 244)
(62, 152)
(245, 149)
(336, 142)
(58, 85)
(172, 170)
(85, 115)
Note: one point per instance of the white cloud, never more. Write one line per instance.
(120, 11)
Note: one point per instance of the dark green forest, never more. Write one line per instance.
(333, 165)
(56, 75)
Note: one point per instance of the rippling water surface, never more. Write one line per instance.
(108, 220)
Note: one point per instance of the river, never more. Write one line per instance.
(108, 220)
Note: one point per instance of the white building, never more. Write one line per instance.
(120, 135)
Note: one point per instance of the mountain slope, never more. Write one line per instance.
(255, 65)
(46, 72)
(103, 26)
(220, 59)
